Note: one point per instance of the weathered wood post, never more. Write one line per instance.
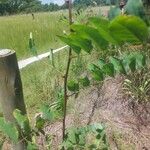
(11, 93)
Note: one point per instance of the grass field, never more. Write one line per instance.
(15, 31)
(37, 79)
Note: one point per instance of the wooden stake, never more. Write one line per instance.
(11, 93)
(52, 58)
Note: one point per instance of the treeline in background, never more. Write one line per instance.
(9, 7)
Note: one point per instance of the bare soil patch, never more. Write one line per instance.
(127, 124)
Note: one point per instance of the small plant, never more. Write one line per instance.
(117, 66)
(137, 82)
(21, 128)
(137, 87)
(89, 137)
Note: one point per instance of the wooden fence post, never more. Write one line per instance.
(52, 57)
(11, 93)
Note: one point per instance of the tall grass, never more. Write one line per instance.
(40, 80)
(15, 30)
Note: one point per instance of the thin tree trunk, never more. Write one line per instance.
(67, 72)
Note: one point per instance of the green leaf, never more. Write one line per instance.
(40, 122)
(48, 113)
(97, 128)
(72, 137)
(99, 22)
(9, 130)
(85, 81)
(32, 146)
(93, 147)
(121, 34)
(98, 136)
(140, 60)
(23, 122)
(132, 64)
(76, 137)
(97, 73)
(73, 86)
(134, 61)
(83, 43)
(101, 63)
(126, 61)
(135, 25)
(118, 65)
(91, 67)
(108, 69)
(102, 26)
(128, 29)
(70, 42)
(92, 34)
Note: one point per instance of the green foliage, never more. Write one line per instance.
(48, 113)
(51, 112)
(118, 65)
(85, 44)
(137, 86)
(78, 138)
(131, 28)
(121, 30)
(99, 22)
(39, 123)
(114, 12)
(92, 34)
(77, 43)
(73, 86)
(132, 7)
(96, 72)
(9, 130)
(134, 61)
(58, 104)
(78, 66)
(23, 122)
(17, 6)
(101, 63)
(135, 7)
(108, 69)
(71, 43)
(84, 81)
(102, 26)
(31, 146)
(127, 64)
(86, 3)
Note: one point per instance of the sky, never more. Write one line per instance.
(59, 2)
